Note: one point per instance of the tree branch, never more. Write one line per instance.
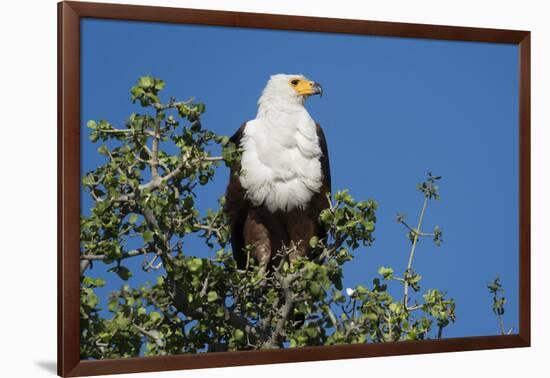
(414, 231)
(413, 248)
(172, 104)
(155, 184)
(86, 259)
(285, 311)
(155, 152)
(152, 336)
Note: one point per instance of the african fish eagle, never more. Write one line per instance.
(280, 185)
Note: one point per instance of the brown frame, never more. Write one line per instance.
(69, 15)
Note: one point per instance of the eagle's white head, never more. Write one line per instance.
(283, 92)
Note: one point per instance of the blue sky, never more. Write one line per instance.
(393, 109)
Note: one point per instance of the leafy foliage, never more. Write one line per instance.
(144, 207)
(496, 290)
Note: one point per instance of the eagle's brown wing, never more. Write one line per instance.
(325, 165)
(236, 205)
(319, 201)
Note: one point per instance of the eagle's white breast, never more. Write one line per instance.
(280, 161)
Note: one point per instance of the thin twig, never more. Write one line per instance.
(172, 104)
(413, 248)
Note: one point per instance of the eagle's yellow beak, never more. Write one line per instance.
(306, 87)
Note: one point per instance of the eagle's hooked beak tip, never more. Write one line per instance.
(318, 89)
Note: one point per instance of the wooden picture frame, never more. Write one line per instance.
(69, 16)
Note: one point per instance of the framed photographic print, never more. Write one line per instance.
(240, 188)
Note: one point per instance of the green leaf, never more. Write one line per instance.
(311, 332)
(123, 272)
(313, 242)
(396, 308)
(201, 108)
(361, 289)
(238, 335)
(362, 205)
(103, 150)
(203, 179)
(194, 264)
(159, 84)
(145, 81)
(325, 216)
(315, 288)
(338, 297)
(387, 273)
(154, 316)
(133, 218)
(147, 236)
(371, 316)
(212, 296)
(88, 180)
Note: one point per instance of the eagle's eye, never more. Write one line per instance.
(295, 82)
